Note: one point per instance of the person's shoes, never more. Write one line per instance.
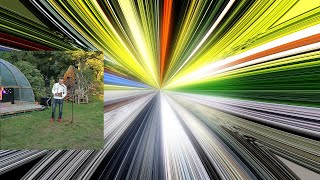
(51, 120)
(60, 120)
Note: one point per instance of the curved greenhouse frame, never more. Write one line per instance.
(12, 77)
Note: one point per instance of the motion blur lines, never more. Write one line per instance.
(181, 159)
(297, 119)
(12, 159)
(165, 135)
(137, 146)
(247, 139)
(194, 89)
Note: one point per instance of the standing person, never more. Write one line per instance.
(59, 91)
(1, 90)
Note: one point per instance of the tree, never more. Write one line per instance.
(53, 64)
(90, 69)
(34, 76)
(49, 63)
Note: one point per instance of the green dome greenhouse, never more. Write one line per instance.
(12, 77)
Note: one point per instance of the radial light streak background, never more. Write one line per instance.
(194, 89)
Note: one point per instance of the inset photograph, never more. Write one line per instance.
(51, 100)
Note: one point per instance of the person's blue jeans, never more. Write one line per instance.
(55, 103)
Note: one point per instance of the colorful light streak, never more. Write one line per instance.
(194, 89)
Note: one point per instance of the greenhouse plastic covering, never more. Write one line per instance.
(12, 77)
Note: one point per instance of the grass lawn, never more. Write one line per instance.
(35, 131)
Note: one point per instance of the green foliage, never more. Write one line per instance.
(93, 69)
(90, 68)
(34, 76)
(38, 65)
(49, 63)
(96, 66)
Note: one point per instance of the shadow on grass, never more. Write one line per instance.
(35, 131)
